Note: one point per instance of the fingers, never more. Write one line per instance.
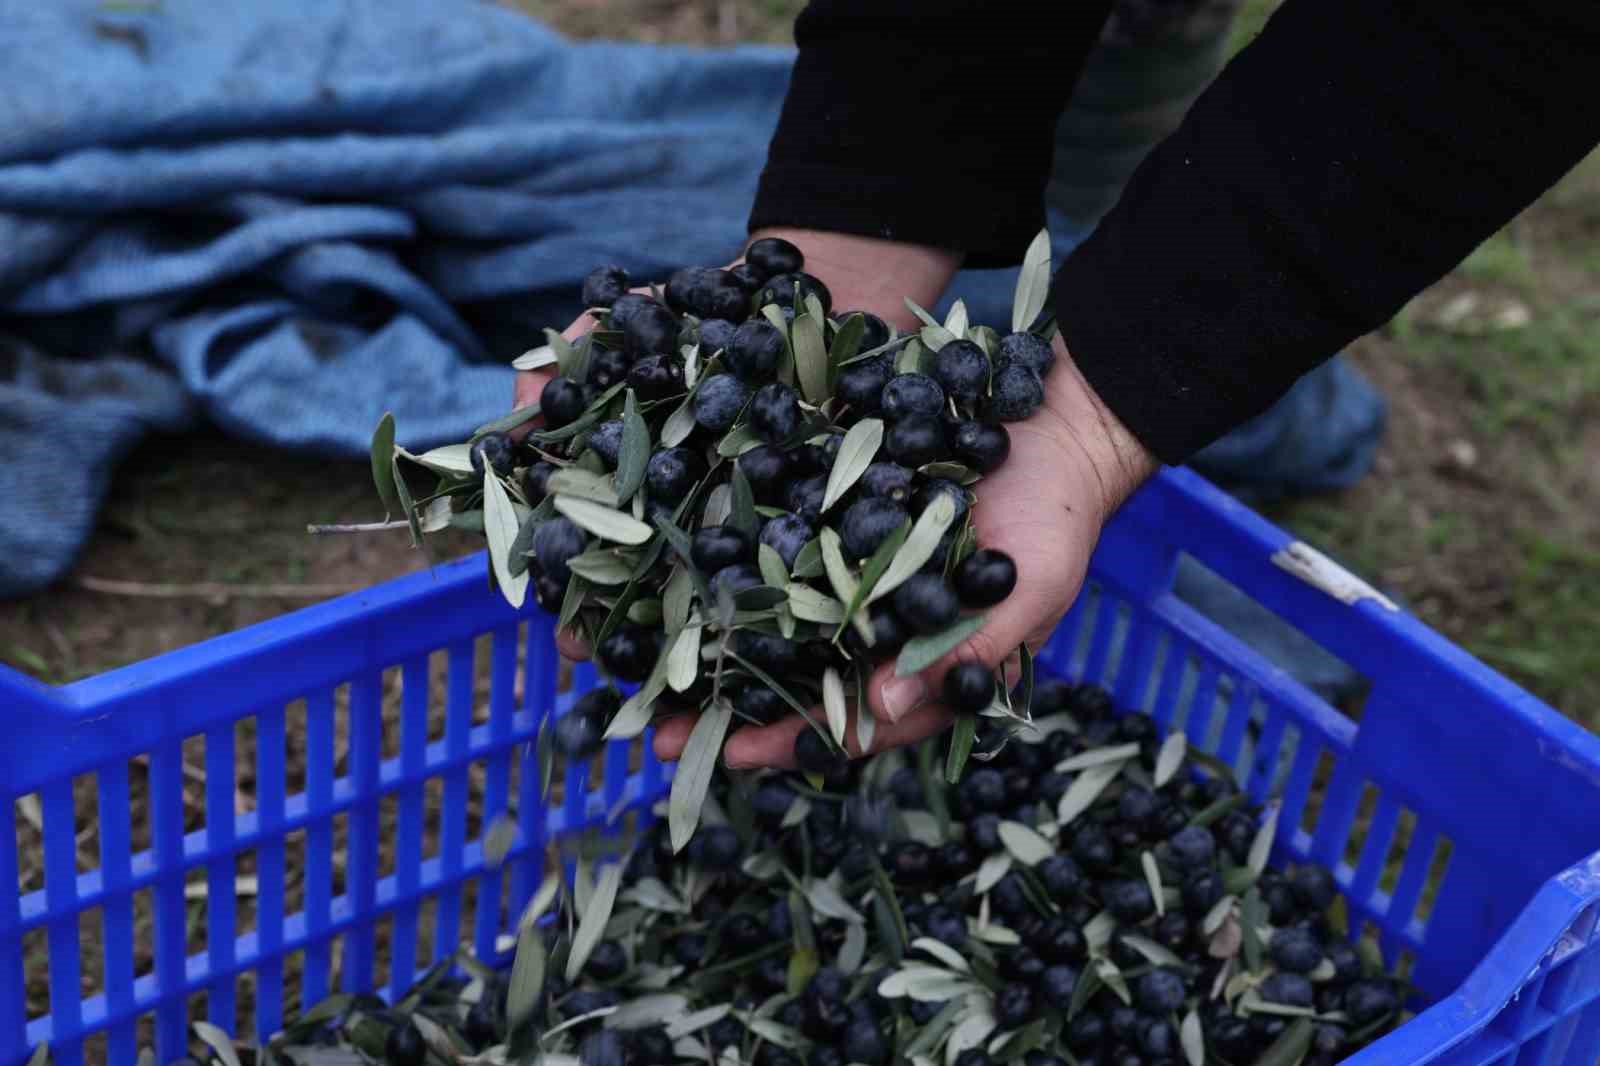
(571, 645)
(671, 736)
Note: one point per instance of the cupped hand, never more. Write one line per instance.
(861, 273)
(1071, 465)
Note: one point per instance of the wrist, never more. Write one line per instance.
(871, 273)
(1092, 436)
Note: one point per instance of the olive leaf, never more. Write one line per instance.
(918, 310)
(1025, 844)
(847, 340)
(676, 599)
(772, 568)
(955, 323)
(737, 440)
(719, 505)
(1157, 954)
(759, 597)
(592, 924)
(919, 653)
(634, 455)
(535, 358)
(961, 738)
(1261, 846)
(601, 566)
(984, 337)
(602, 521)
(637, 709)
(437, 517)
(647, 1012)
(1252, 914)
(1291, 1046)
(1088, 984)
(991, 871)
(1215, 811)
(572, 602)
(775, 1033)
(1084, 790)
(833, 703)
(692, 777)
(498, 840)
(824, 898)
(950, 472)
(1193, 1039)
(812, 606)
(969, 1033)
(218, 1041)
(1152, 874)
(679, 424)
(742, 507)
(896, 340)
(798, 811)
(943, 952)
(527, 977)
(500, 526)
(700, 1019)
(919, 547)
(1111, 974)
(470, 521)
(839, 576)
(1033, 283)
(382, 457)
(1218, 914)
(1170, 758)
(909, 360)
(856, 452)
(683, 661)
(936, 337)
(1025, 701)
(451, 460)
(929, 1036)
(853, 950)
(567, 357)
(810, 358)
(808, 563)
(1097, 757)
(866, 721)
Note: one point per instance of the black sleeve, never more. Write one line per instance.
(1346, 160)
(926, 121)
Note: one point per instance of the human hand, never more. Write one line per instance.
(1071, 465)
(861, 273)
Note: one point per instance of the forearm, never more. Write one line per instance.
(928, 122)
(1343, 162)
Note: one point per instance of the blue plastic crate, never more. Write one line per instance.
(1445, 754)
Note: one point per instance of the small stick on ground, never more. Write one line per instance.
(212, 590)
(358, 527)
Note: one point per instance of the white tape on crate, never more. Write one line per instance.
(1314, 568)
